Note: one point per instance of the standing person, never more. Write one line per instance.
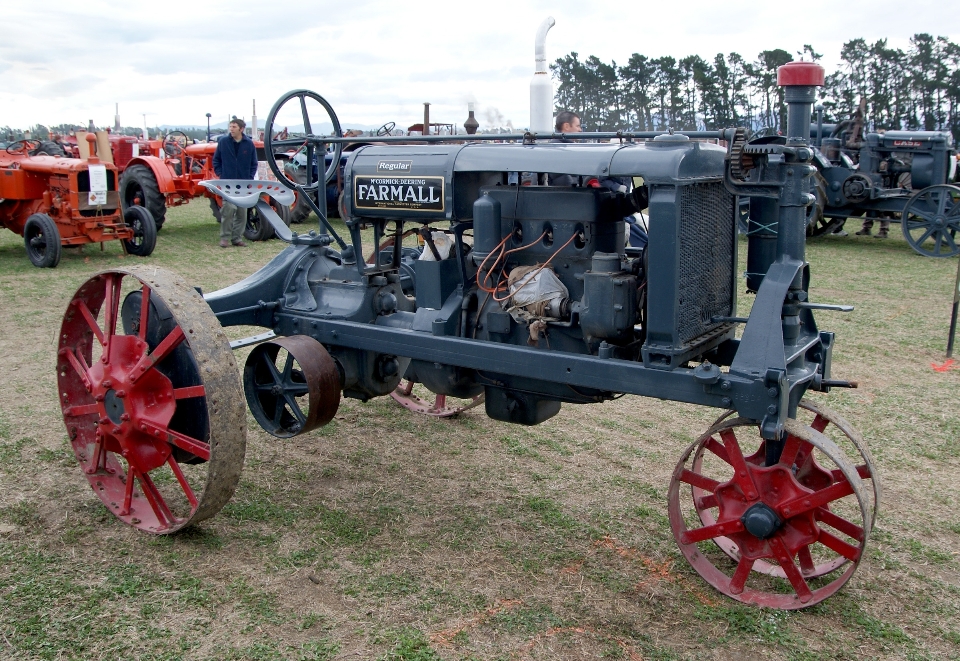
(569, 122)
(235, 158)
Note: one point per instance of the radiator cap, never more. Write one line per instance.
(808, 74)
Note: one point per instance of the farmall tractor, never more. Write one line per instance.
(899, 176)
(534, 301)
(54, 201)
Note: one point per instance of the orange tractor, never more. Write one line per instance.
(54, 202)
(168, 173)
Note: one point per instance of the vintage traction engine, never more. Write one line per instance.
(525, 294)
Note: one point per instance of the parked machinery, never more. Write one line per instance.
(903, 176)
(170, 172)
(524, 293)
(54, 201)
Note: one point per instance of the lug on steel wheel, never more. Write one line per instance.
(151, 398)
(931, 220)
(809, 519)
(292, 385)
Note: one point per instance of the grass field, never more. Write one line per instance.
(387, 535)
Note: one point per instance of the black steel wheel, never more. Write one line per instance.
(42, 239)
(144, 231)
(931, 220)
(138, 187)
(258, 229)
(274, 147)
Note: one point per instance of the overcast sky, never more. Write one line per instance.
(378, 61)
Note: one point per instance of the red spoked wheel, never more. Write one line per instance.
(405, 396)
(151, 398)
(768, 515)
(809, 473)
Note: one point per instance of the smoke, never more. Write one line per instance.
(496, 120)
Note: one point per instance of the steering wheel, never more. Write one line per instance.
(386, 129)
(312, 144)
(21, 146)
(174, 143)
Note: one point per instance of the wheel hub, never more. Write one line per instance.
(133, 411)
(761, 521)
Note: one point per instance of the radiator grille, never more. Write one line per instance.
(707, 256)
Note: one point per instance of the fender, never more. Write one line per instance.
(162, 172)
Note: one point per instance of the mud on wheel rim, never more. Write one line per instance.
(151, 398)
(770, 516)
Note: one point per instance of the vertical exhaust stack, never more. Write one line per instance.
(541, 87)
(253, 122)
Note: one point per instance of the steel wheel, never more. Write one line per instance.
(931, 219)
(153, 407)
(809, 473)
(769, 515)
(292, 385)
(405, 397)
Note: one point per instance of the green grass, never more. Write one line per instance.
(387, 535)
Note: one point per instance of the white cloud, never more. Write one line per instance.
(377, 61)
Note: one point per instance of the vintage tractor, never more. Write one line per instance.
(526, 294)
(54, 201)
(899, 176)
(171, 172)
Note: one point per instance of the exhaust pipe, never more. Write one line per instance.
(541, 87)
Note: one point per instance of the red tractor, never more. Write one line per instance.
(53, 201)
(168, 173)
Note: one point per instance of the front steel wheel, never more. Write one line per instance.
(151, 398)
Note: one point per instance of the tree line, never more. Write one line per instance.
(913, 89)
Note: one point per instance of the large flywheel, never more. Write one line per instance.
(151, 398)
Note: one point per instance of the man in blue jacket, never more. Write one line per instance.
(235, 158)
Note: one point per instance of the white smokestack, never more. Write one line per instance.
(253, 122)
(541, 87)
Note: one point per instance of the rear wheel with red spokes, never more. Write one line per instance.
(151, 398)
(808, 519)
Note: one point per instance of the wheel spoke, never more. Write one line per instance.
(128, 491)
(111, 306)
(169, 343)
(81, 368)
(287, 374)
(187, 490)
(144, 312)
(807, 502)
(306, 118)
(834, 543)
(942, 203)
(295, 408)
(717, 448)
(926, 234)
(711, 532)
(819, 423)
(806, 561)
(741, 475)
(700, 481)
(740, 576)
(279, 407)
(790, 451)
(836, 522)
(79, 411)
(91, 321)
(790, 569)
(277, 379)
(707, 502)
(155, 498)
(189, 391)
